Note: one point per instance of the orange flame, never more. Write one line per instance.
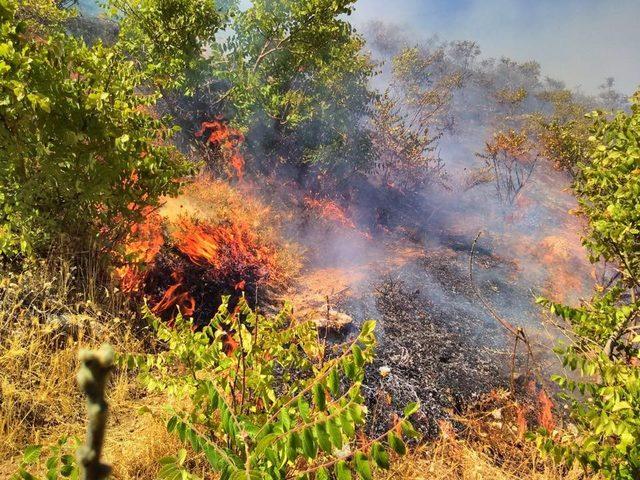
(142, 245)
(228, 140)
(329, 210)
(545, 412)
(174, 296)
(229, 251)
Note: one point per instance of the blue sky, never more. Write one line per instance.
(578, 41)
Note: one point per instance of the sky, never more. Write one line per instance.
(580, 42)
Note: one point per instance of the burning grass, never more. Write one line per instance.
(214, 240)
(329, 211)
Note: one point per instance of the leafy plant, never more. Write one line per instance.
(167, 37)
(262, 397)
(510, 158)
(294, 74)
(60, 462)
(81, 154)
(605, 396)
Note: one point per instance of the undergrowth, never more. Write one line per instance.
(47, 314)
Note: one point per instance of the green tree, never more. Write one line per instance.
(295, 76)
(605, 397)
(81, 152)
(563, 133)
(167, 38)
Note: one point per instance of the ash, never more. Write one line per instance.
(438, 344)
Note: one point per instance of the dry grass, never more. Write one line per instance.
(44, 322)
(449, 458)
(490, 446)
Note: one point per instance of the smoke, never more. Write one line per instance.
(571, 39)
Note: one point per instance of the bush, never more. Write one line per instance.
(262, 397)
(82, 153)
(605, 397)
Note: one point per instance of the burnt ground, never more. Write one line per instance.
(441, 346)
(440, 343)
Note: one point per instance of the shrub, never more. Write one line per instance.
(60, 461)
(511, 159)
(605, 396)
(81, 152)
(262, 397)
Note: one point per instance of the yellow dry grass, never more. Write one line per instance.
(449, 459)
(40, 337)
(490, 445)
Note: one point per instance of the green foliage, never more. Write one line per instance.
(404, 157)
(604, 397)
(60, 461)
(609, 189)
(167, 37)
(41, 14)
(261, 397)
(563, 134)
(81, 152)
(564, 144)
(295, 73)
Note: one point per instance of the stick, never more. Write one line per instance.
(92, 378)
(517, 332)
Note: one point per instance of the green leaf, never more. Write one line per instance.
(396, 444)
(309, 446)
(293, 444)
(334, 382)
(347, 424)
(31, 454)
(357, 355)
(335, 433)
(212, 456)
(411, 408)
(380, 455)
(622, 405)
(323, 437)
(408, 430)
(319, 397)
(342, 471)
(362, 466)
(26, 475)
(322, 474)
(171, 424)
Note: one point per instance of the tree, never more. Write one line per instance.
(82, 153)
(295, 78)
(167, 38)
(605, 353)
(404, 157)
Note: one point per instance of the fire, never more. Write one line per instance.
(230, 252)
(176, 295)
(329, 210)
(179, 259)
(142, 246)
(228, 140)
